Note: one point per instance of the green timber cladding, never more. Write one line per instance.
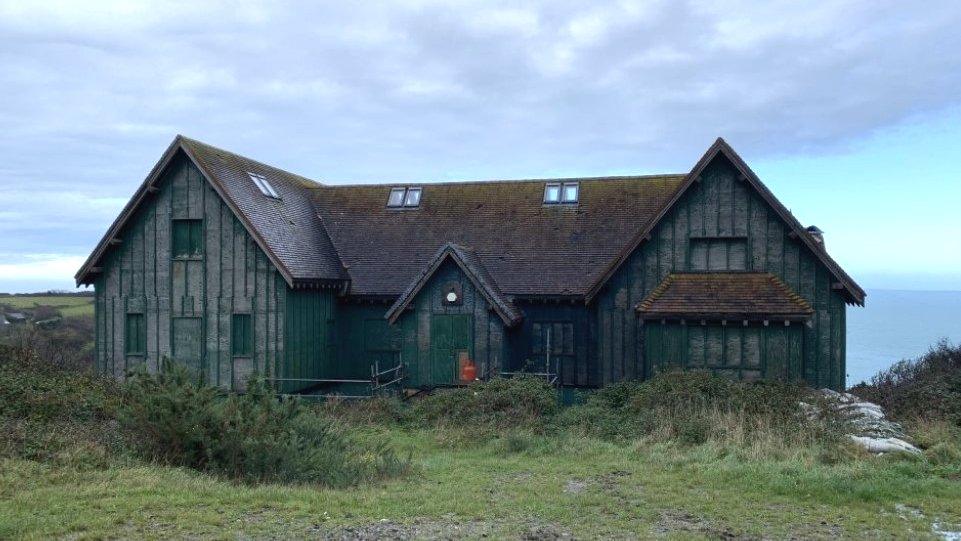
(321, 282)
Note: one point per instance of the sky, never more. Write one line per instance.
(850, 111)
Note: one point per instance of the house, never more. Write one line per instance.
(233, 266)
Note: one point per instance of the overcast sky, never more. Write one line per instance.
(850, 111)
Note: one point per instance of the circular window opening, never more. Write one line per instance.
(452, 297)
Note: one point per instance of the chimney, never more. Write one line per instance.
(816, 232)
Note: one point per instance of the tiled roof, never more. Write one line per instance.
(724, 295)
(289, 226)
(527, 247)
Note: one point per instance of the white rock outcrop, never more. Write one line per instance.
(872, 430)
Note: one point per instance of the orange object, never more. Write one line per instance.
(468, 370)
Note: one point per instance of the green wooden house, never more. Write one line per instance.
(232, 266)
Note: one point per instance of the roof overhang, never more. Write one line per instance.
(471, 268)
(147, 189)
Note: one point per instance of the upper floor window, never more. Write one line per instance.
(404, 197)
(264, 185)
(188, 238)
(561, 192)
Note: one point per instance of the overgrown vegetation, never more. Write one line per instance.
(252, 436)
(683, 452)
(924, 389)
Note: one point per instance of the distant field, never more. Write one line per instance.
(68, 306)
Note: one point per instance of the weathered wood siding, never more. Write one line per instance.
(570, 342)
(196, 294)
(413, 340)
(720, 224)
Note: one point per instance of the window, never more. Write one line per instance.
(263, 185)
(413, 197)
(135, 341)
(561, 192)
(188, 238)
(242, 339)
(718, 254)
(404, 197)
(396, 198)
(552, 193)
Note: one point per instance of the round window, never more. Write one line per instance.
(451, 297)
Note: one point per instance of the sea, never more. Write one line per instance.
(896, 325)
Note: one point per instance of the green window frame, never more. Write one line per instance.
(242, 336)
(135, 339)
(188, 238)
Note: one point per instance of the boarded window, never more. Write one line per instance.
(556, 337)
(135, 342)
(718, 254)
(188, 238)
(242, 338)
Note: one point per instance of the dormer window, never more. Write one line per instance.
(263, 185)
(404, 197)
(561, 192)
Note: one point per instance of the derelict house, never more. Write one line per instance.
(233, 266)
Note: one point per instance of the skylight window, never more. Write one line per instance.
(552, 193)
(413, 197)
(561, 192)
(404, 197)
(263, 185)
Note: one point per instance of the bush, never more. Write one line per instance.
(253, 437)
(928, 387)
(51, 414)
(32, 390)
(496, 403)
(693, 408)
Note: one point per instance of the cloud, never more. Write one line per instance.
(91, 94)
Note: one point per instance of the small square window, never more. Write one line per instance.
(135, 340)
(552, 193)
(570, 192)
(396, 198)
(188, 238)
(263, 185)
(242, 339)
(413, 197)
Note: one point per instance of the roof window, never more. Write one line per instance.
(263, 185)
(561, 192)
(404, 197)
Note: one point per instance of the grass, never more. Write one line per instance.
(67, 306)
(622, 490)
(495, 472)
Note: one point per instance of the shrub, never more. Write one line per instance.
(693, 408)
(253, 437)
(499, 402)
(928, 387)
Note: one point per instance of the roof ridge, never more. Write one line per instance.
(314, 183)
(659, 176)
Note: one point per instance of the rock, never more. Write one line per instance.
(884, 445)
(871, 429)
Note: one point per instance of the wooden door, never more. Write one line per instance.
(450, 336)
(187, 341)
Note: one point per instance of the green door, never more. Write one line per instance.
(450, 336)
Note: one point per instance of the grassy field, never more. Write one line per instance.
(67, 306)
(519, 485)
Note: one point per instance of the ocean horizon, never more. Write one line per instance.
(898, 324)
